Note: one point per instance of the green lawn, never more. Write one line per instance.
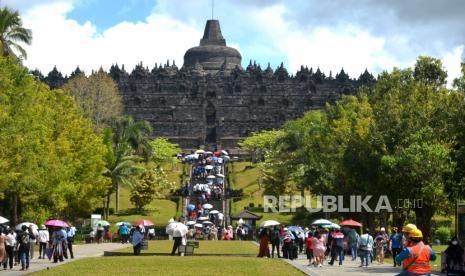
(159, 210)
(167, 265)
(245, 176)
(205, 247)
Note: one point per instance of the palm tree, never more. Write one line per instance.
(135, 133)
(12, 33)
(120, 166)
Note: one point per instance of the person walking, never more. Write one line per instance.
(319, 248)
(137, 238)
(70, 233)
(123, 232)
(24, 247)
(337, 246)
(58, 238)
(395, 244)
(10, 244)
(100, 232)
(3, 254)
(264, 250)
(32, 240)
(44, 238)
(380, 242)
(275, 241)
(353, 243)
(309, 247)
(416, 258)
(365, 246)
(214, 233)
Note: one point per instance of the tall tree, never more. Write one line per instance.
(121, 165)
(51, 161)
(12, 34)
(97, 95)
(135, 133)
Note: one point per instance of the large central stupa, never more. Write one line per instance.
(212, 52)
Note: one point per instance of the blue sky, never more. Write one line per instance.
(353, 34)
(105, 14)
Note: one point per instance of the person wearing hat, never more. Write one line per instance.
(416, 258)
(288, 243)
(406, 230)
(44, 238)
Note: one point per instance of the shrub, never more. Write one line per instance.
(442, 234)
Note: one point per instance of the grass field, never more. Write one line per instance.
(245, 176)
(205, 247)
(167, 265)
(159, 210)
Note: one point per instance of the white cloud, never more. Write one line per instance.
(66, 43)
(265, 33)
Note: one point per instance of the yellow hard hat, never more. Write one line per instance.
(416, 233)
(409, 228)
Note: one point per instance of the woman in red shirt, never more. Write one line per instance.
(309, 247)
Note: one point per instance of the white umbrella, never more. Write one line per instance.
(240, 221)
(28, 224)
(207, 206)
(220, 175)
(207, 222)
(198, 225)
(200, 151)
(224, 152)
(213, 212)
(211, 177)
(202, 218)
(208, 153)
(208, 167)
(268, 223)
(226, 158)
(123, 223)
(176, 229)
(321, 222)
(191, 222)
(171, 220)
(3, 220)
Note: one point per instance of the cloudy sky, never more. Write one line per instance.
(353, 34)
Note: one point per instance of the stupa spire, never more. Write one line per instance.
(212, 34)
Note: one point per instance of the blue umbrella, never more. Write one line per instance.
(296, 229)
(190, 207)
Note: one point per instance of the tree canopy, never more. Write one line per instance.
(12, 34)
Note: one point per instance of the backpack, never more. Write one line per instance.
(24, 239)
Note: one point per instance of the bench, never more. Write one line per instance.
(188, 249)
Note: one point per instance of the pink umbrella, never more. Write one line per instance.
(350, 222)
(56, 222)
(144, 222)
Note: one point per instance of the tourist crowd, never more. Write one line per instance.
(17, 246)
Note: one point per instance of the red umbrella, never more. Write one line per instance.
(144, 222)
(56, 222)
(350, 222)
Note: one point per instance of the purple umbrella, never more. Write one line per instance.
(56, 222)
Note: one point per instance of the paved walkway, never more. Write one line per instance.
(80, 252)
(350, 268)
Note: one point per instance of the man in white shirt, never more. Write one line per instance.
(366, 246)
(44, 238)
